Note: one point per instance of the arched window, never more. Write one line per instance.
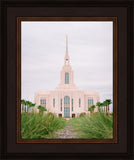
(66, 100)
(79, 102)
(61, 105)
(66, 78)
(88, 103)
(72, 105)
(53, 102)
(67, 107)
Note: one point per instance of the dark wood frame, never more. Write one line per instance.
(124, 148)
(18, 54)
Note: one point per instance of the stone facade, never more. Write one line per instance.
(66, 100)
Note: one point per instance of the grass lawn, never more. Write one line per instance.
(40, 126)
(96, 126)
(43, 126)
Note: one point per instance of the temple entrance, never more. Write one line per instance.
(67, 107)
(60, 115)
(73, 115)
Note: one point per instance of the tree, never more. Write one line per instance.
(32, 105)
(99, 105)
(29, 104)
(105, 105)
(41, 108)
(108, 103)
(91, 109)
(23, 104)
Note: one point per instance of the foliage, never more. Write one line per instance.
(82, 114)
(97, 126)
(104, 107)
(27, 103)
(91, 109)
(40, 126)
(99, 105)
(41, 108)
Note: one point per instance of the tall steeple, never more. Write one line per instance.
(67, 59)
(66, 43)
(66, 74)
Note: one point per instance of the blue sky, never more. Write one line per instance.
(90, 46)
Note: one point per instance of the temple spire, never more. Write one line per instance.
(66, 55)
(66, 44)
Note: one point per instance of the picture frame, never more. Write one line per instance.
(10, 11)
(115, 55)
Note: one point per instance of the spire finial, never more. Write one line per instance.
(66, 43)
(66, 55)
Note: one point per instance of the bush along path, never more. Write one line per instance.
(66, 133)
(40, 126)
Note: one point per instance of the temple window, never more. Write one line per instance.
(72, 105)
(90, 102)
(43, 101)
(66, 100)
(79, 102)
(61, 102)
(66, 78)
(72, 102)
(53, 102)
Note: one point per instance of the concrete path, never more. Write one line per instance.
(66, 133)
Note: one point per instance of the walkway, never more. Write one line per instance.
(66, 133)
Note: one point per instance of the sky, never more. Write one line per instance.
(43, 47)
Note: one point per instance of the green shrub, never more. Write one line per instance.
(41, 109)
(40, 126)
(82, 114)
(96, 126)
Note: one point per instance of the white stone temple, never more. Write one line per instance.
(67, 100)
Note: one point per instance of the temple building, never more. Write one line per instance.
(67, 100)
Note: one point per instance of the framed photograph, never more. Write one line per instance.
(67, 114)
(67, 84)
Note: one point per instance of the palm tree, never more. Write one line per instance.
(108, 103)
(99, 105)
(41, 108)
(23, 104)
(28, 103)
(91, 108)
(32, 105)
(105, 105)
